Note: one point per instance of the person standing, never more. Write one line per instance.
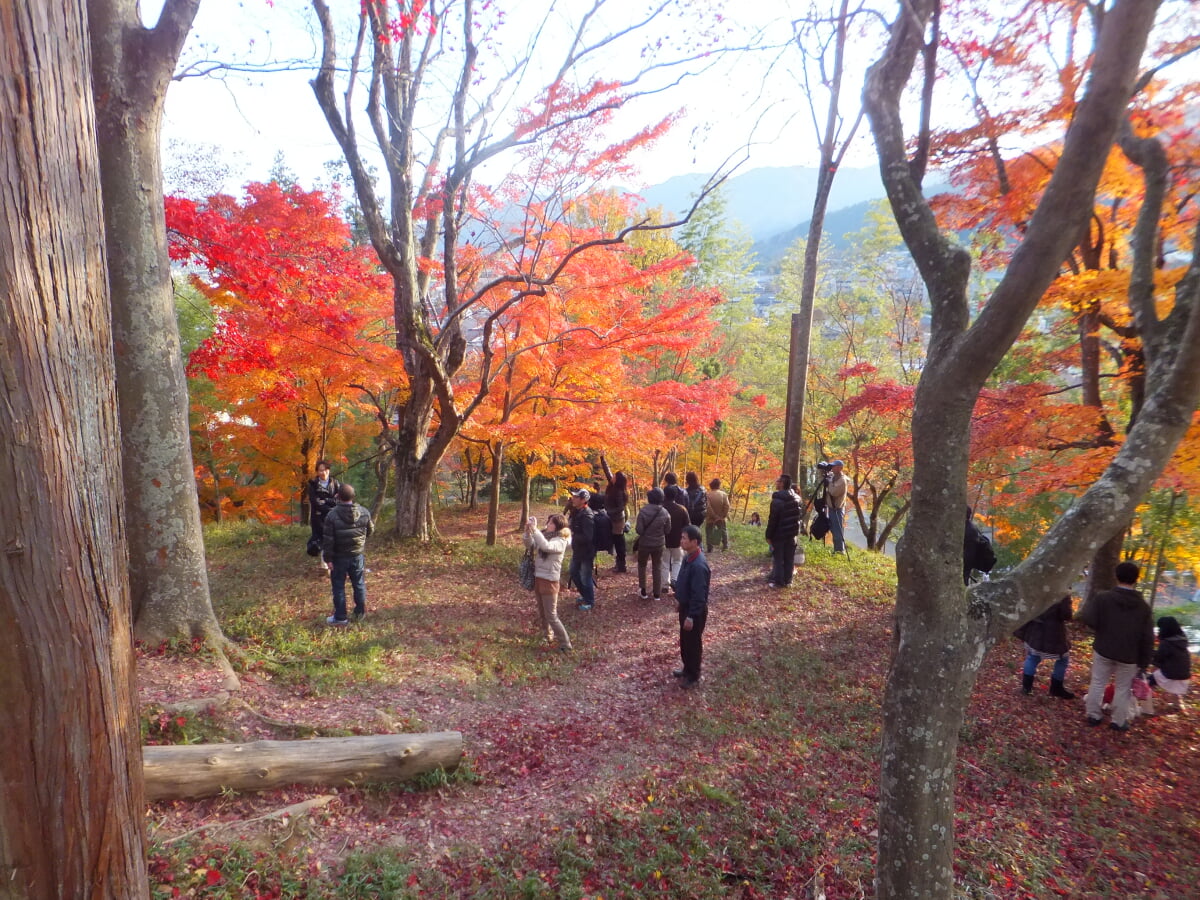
(583, 548)
(1046, 638)
(616, 504)
(695, 499)
(653, 523)
(783, 524)
(691, 598)
(322, 498)
(347, 528)
(1124, 642)
(835, 504)
(548, 550)
(717, 516)
(680, 519)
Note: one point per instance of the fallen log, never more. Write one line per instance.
(204, 770)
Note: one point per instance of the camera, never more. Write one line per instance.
(824, 466)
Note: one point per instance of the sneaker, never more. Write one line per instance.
(689, 683)
(583, 606)
(334, 621)
(643, 595)
(678, 673)
(772, 584)
(1113, 726)
(1093, 721)
(656, 599)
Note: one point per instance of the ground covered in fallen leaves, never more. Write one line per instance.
(593, 774)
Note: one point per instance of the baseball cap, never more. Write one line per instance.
(837, 462)
(581, 494)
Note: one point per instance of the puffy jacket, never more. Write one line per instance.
(1048, 632)
(1173, 659)
(548, 552)
(653, 522)
(1123, 624)
(697, 504)
(783, 521)
(322, 498)
(346, 530)
(583, 531)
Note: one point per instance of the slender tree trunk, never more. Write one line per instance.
(71, 804)
(497, 448)
(131, 69)
(525, 500)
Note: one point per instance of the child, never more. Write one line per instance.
(1172, 660)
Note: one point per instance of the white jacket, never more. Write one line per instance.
(548, 552)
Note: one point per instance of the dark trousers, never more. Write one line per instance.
(783, 560)
(352, 567)
(691, 647)
(619, 550)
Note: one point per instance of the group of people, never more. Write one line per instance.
(342, 528)
(668, 543)
(1123, 647)
(785, 520)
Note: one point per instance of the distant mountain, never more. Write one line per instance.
(769, 252)
(770, 200)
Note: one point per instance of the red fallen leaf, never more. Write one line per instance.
(213, 876)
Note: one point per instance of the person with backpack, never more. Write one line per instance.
(783, 524)
(653, 523)
(695, 499)
(978, 554)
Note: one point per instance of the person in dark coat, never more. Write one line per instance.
(322, 498)
(616, 504)
(783, 524)
(673, 552)
(583, 548)
(1172, 660)
(695, 499)
(1124, 642)
(691, 599)
(1046, 638)
(347, 528)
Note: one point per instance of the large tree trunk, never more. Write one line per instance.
(204, 770)
(131, 69)
(70, 776)
(497, 448)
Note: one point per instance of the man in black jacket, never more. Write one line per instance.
(691, 598)
(347, 528)
(783, 524)
(1124, 629)
(583, 548)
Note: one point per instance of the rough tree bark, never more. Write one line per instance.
(942, 631)
(131, 68)
(70, 774)
(204, 770)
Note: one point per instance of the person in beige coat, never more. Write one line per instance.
(716, 516)
(548, 549)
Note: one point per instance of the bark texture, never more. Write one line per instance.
(131, 68)
(200, 770)
(71, 797)
(942, 631)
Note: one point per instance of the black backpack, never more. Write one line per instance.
(985, 555)
(819, 527)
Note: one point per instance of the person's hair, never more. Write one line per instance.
(692, 531)
(755, 517)
(715, 484)
(323, 462)
(655, 496)
(1127, 573)
(346, 492)
(671, 493)
(787, 482)
(558, 520)
(670, 478)
(621, 481)
(692, 479)
(1168, 626)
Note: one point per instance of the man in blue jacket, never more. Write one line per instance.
(691, 598)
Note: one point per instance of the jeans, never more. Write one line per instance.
(714, 533)
(783, 557)
(691, 648)
(1122, 674)
(354, 567)
(581, 576)
(1032, 658)
(654, 557)
(837, 528)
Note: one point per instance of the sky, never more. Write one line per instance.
(245, 119)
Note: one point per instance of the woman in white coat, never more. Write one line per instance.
(548, 549)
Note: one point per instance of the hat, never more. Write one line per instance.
(581, 494)
(837, 462)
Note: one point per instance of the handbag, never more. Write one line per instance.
(525, 570)
(313, 548)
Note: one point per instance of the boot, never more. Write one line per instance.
(1058, 690)
(1027, 684)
